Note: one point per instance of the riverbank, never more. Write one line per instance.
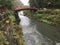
(48, 23)
(10, 32)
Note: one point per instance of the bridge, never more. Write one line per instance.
(25, 8)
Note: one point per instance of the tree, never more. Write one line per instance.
(45, 3)
(5, 3)
(16, 3)
(36, 3)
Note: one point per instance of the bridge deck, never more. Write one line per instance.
(25, 8)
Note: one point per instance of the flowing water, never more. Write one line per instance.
(31, 35)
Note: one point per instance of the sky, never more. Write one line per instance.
(25, 2)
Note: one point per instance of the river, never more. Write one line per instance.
(31, 35)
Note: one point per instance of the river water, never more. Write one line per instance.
(31, 35)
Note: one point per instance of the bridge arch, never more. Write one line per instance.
(25, 8)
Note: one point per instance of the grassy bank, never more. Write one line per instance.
(49, 16)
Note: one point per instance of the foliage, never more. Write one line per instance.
(16, 3)
(49, 16)
(5, 3)
(10, 32)
(10, 4)
(45, 3)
